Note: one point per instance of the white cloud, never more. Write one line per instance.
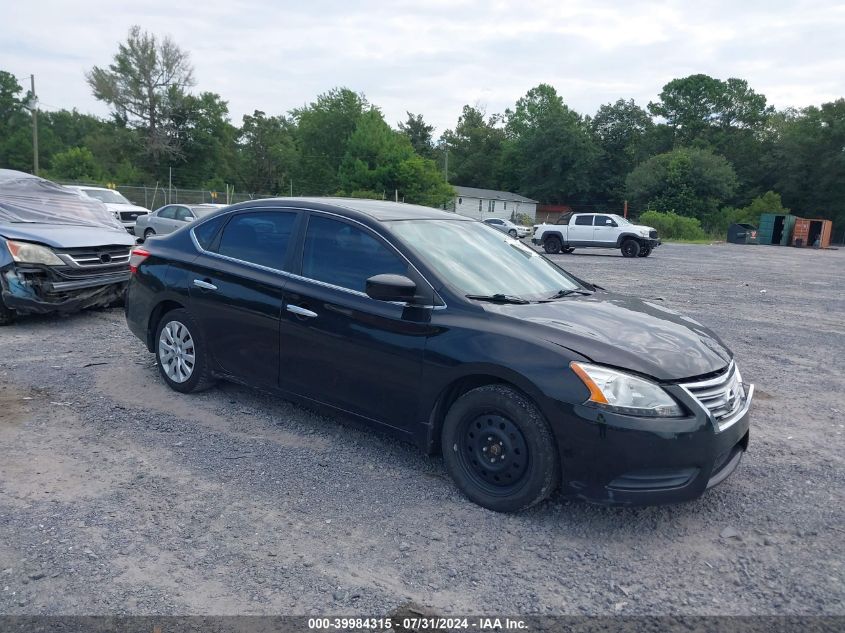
(435, 56)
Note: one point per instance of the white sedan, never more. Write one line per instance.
(506, 226)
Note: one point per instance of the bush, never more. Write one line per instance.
(769, 202)
(670, 225)
(522, 219)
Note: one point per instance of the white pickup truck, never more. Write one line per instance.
(596, 230)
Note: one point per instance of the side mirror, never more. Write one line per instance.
(391, 288)
(188, 219)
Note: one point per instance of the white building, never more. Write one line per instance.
(482, 204)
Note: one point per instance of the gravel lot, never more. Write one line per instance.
(120, 496)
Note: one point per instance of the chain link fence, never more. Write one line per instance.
(153, 197)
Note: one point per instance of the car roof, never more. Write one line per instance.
(378, 210)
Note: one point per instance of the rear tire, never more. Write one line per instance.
(552, 245)
(500, 423)
(630, 248)
(181, 353)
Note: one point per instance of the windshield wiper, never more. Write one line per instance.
(565, 293)
(499, 298)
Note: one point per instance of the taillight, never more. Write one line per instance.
(136, 258)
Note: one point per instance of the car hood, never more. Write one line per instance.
(114, 206)
(66, 235)
(625, 332)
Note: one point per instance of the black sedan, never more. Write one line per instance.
(444, 331)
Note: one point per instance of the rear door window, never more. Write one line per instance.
(344, 255)
(584, 220)
(260, 237)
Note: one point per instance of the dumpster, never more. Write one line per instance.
(812, 232)
(775, 229)
(742, 234)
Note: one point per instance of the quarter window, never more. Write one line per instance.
(584, 220)
(344, 255)
(259, 238)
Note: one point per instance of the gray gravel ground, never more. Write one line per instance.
(120, 496)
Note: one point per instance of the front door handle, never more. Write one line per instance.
(199, 283)
(300, 311)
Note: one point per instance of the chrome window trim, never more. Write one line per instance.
(317, 281)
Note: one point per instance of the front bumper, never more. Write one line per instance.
(616, 459)
(30, 289)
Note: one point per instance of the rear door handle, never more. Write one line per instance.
(199, 283)
(300, 311)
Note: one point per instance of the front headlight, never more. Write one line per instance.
(116, 215)
(623, 393)
(644, 232)
(26, 253)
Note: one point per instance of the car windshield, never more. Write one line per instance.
(620, 220)
(106, 195)
(477, 259)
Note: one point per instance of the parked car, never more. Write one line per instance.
(596, 230)
(121, 208)
(449, 334)
(59, 252)
(171, 217)
(506, 226)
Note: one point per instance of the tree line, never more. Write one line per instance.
(705, 148)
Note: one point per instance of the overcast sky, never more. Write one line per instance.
(434, 56)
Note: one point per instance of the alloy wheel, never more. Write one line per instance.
(176, 351)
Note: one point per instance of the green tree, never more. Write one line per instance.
(76, 164)
(419, 133)
(475, 149)
(550, 154)
(379, 159)
(619, 130)
(267, 153)
(15, 126)
(689, 181)
(145, 81)
(201, 127)
(695, 104)
(323, 130)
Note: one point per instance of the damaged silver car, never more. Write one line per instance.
(59, 252)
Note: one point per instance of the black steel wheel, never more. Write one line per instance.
(552, 245)
(499, 449)
(630, 248)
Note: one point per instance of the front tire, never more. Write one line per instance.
(499, 449)
(512, 233)
(148, 234)
(181, 353)
(552, 245)
(645, 252)
(630, 248)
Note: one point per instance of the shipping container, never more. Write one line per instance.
(775, 229)
(812, 232)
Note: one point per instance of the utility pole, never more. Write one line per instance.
(625, 211)
(291, 187)
(34, 108)
(446, 166)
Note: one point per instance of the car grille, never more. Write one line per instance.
(87, 258)
(722, 396)
(652, 234)
(131, 216)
